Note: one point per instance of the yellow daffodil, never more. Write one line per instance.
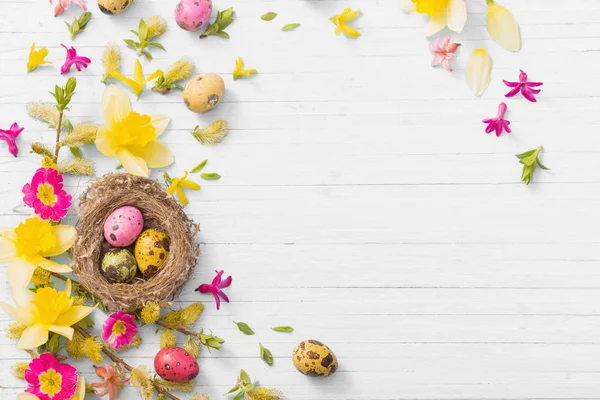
(177, 186)
(130, 136)
(442, 13)
(340, 23)
(239, 71)
(502, 27)
(37, 58)
(28, 246)
(79, 394)
(44, 311)
(138, 82)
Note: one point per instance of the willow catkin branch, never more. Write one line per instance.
(76, 166)
(83, 133)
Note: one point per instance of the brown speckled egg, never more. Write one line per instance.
(112, 7)
(151, 251)
(119, 266)
(175, 364)
(313, 358)
(203, 92)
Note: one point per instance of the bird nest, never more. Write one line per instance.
(161, 212)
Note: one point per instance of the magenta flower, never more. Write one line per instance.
(61, 5)
(73, 59)
(119, 329)
(442, 54)
(499, 123)
(215, 288)
(50, 380)
(524, 87)
(10, 137)
(45, 194)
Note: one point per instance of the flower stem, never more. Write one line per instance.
(179, 328)
(118, 360)
(58, 130)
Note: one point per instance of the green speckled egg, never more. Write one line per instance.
(151, 251)
(119, 266)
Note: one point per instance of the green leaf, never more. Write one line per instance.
(198, 167)
(148, 55)
(156, 44)
(270, 16)
(289, 27)
(75, 151)
(233, 389)
(223, 20)
(131, 43)
(530, 160)
(244, 377)
(223, 35)
(248, 387)
(239, 396)
(244, 328)
(213, 176)
(283, 329)
(142, 30)
(265, 354)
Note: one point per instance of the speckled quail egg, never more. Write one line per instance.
(151, 251)
(313, 358)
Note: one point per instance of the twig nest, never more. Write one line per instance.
(161, 213)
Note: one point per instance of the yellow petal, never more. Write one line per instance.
(154, 75)
(68, 286)
(65, 238)
(80, 393)
(50, 265)
(18, 314)
(103, 143)
(134, 165)
(351, 32)
(138, 73)
(437, 22)
(7, 249)
(503, 28)
(116, 105)
(456, 15)
(62, 330)
(182, 197)
(156, 154)
(73, 315)
(160, 123)
(32, 337)
(171, 189)
(190, 185)
(27, 396)
(349, 15)
(478, 71)
(19, 272)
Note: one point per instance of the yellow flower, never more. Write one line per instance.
(130, 136)
(502, 27)
(79, 394)
(340, 23)
(27, 246)
(442, 13)
(177, 186)
(239, 71)
(37, 58)
(138, 82)
(44, 311)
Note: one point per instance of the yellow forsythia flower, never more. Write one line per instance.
(239, 71)
(139, 81)
(340, 23)
(177, 186)
(37, 58)
(502, 27)
(150, 313)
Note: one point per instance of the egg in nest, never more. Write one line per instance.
(151, 252)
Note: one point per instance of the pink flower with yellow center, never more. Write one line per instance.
(119, 329)
(46, 196)
(50, 380)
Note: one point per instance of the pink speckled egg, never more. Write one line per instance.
(175, 364)
(192, 15)
(123, 226)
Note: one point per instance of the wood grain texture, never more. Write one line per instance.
(361, 201)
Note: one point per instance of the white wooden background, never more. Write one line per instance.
(361, 201)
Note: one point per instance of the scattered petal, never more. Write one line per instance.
(478, 71)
